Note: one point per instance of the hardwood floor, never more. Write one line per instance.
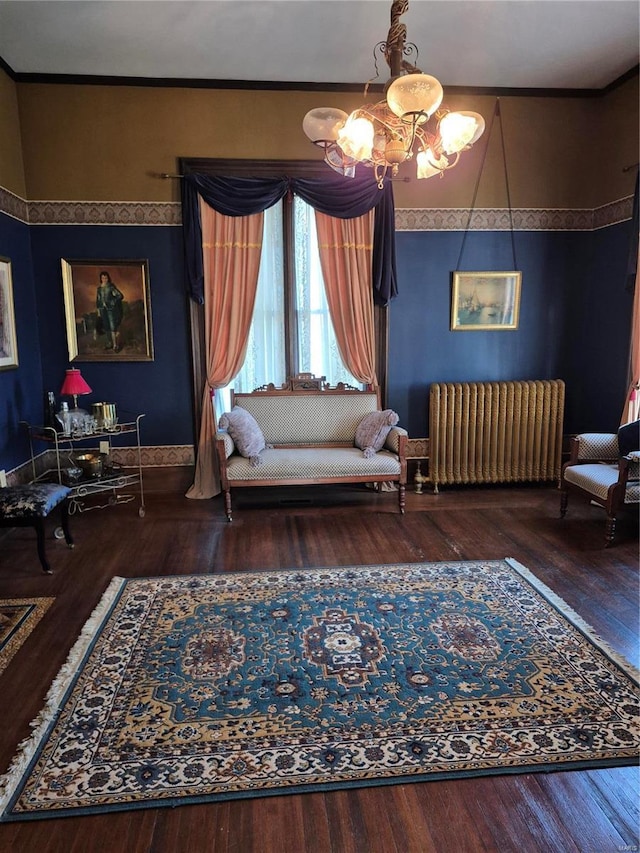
(593, 810)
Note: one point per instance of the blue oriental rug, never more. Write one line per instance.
(201, 688)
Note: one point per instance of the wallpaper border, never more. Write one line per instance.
(134, 213)
(13, 205)
(523, 219)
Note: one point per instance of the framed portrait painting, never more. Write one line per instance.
(8, 340)
(108, 310)
(485, 300)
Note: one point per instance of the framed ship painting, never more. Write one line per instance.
(485, 301)
(108, 310)
(8, 339)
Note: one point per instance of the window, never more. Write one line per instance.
(287, 335)
(279, 347)
(317, 345)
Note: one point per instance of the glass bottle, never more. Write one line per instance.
(64, 418)
(50, 411)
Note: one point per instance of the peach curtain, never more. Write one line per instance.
(231, 247)
(632, 405)
(346, 247)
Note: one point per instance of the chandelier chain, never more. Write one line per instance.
(395, 46)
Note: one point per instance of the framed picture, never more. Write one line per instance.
(108, 310)
(8, 341)
(485, 300)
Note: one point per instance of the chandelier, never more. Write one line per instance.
(410, 118)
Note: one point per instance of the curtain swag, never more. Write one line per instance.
(333, 196)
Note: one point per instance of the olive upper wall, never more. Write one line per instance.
(109, 143)
(11, 164)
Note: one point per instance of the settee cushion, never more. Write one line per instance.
(373, 430)
(313, 465)
(245, 432)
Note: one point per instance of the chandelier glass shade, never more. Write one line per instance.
(410, 119)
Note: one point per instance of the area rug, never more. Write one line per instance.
(202, 688)
(18, 618)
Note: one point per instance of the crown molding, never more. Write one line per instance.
(299, 86)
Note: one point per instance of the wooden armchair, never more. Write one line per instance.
(598, 472)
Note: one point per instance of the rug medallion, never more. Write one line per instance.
(18, 618)
(201, 688)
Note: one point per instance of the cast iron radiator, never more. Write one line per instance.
(495, 432)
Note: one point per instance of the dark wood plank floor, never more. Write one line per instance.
(583, 811)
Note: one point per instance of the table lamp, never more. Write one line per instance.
(73, 385)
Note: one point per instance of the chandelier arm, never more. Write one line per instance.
(415, 126)
(369, 111)
(380, 171)
(453, 162)
(379, 48)
(426, 140)
(411, 49)
(397, 130)
(374, 116)
(450, 163)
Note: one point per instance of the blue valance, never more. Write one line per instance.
(344, 198)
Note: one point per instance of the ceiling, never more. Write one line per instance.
(563, 44)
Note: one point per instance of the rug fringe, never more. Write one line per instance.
(27, 748)
(575, 619)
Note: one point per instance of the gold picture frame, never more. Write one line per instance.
(8, 338)
(485, 301)
(108, 310)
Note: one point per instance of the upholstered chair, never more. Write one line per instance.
(597, 471)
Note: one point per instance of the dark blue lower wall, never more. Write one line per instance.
(575, 319)
(21, 390)
(161, 388)
(596, 344)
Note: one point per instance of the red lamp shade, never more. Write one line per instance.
(73, 385)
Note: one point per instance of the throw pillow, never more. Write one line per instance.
(629, 438)
(245, 432)
(373, 429)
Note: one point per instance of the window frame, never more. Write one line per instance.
(269, 169)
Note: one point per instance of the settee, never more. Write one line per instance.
(309, 435)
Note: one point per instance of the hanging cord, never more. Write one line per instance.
(498, 114)
(496, 110)
(506, 182)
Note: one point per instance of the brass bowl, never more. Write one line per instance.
(90, 463)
